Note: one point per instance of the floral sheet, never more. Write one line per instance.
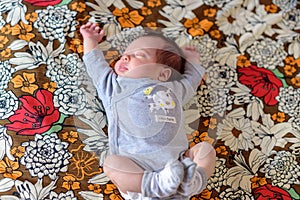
(53, 137)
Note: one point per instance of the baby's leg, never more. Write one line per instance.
(129, 177)
(124, 173)
(199, 165)
(204, 155)
(92, 35)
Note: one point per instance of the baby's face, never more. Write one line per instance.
(139, 59)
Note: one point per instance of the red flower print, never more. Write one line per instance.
(263, 83)
(43, 2)
(36, 115)
(268, 191)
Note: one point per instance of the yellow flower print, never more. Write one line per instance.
(154, 3)
(23, 31)
(78, 6)
(113, 192)
(6, 53)
(70, 182)
(196, 27)
(3, 41)
(128, 19)
(71, 136)
(25, 82)
(95, 188)
(8, 169)
(50, 86)
(76, 45)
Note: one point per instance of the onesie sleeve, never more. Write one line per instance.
(190, 81)
(101, 73)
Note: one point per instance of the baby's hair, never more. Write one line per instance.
(171, 54)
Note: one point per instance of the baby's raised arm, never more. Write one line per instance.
(92, 34)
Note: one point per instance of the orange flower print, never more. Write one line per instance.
(25, 82)
(257, 182)
(221, 150)
(76, 45)
(6, 53)
(78, 6)
(50, 86)
(8, 169)
(3, 41)
(32, 17)
(215, 34)
(23, 31)
(152, 25)
(206, 194)
(146, 11)
(113, 192)
(196, 27)
(71, 136)
(211, 123)
(289, 70)
(95, 188)
(272, 8)
(296, 81)
(243, 61)
(154, 3)
(211, 12)
(128, 19)
(279, 117)
(6, 29)
(83, 163)
(70, 183)
(18, 151)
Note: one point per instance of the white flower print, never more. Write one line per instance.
(261, 22)
(15, 11)
(237, 14)
(181, 8)
(56, 23)
(267, 53)
(283, 169)
(236, 131)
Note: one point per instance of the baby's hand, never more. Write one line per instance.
(191, 54)
(92, 31)
(92, 35)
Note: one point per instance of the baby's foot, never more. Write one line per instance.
(164, 183)
(194, 180)
(92, 35)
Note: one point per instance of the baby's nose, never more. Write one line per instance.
(125, 58)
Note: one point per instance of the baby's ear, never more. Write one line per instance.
(165, 74)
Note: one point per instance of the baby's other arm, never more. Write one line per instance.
(92, 35)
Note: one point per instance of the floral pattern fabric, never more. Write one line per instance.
(53, 136)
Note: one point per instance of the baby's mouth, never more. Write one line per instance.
(123, 68)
